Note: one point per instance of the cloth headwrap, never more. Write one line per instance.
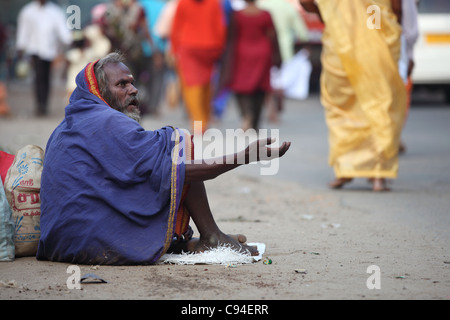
(92, 81)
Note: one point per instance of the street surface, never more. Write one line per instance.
(415, 214)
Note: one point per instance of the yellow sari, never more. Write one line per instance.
(361, 90)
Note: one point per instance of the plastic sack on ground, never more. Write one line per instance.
(22, 188)
(6, 228)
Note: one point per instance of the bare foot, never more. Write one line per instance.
(236, 242)
(339, 182)
(242, 239)
(379, 184)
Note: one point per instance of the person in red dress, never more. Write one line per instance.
(198, 36)
(252, 51)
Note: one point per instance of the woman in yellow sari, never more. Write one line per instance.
(361, 89)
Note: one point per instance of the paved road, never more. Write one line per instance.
(405, 231)
(420, 196)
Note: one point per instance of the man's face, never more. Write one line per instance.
(121, 94)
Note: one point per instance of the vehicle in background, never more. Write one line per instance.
(432, 49)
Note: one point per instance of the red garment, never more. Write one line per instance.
(198, 36)
(196, 65)
(6, 160)
(252, 57)
(198, 24)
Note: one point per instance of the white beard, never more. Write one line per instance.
(135, 115)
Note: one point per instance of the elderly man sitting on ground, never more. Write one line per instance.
(114, 193)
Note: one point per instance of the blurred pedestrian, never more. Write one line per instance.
(410, 34)
(41, 30)
(126, 27)
(361, 89)
(198, 38)
(158, 67)
(4, 107)
(163, 29)
(89, 44)
(290, 28)
(221, 96)
(252, 51)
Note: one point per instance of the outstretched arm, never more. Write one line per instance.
(255, 152)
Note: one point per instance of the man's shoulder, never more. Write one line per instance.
(29, 8)
(54, 8)
(100, 116)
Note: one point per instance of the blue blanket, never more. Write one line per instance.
(110, 190)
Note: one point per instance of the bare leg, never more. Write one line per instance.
(210, 235)
(379, 184)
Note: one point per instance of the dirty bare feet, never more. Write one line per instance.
(236, 242)
(242, 239)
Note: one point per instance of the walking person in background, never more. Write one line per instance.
(155, 55)
(198, 36)
(163, 29)
(41, 30)
(126, 27)
(361, 90)
(252, 51)
(4, 107)
(290, 28)
(410, 34)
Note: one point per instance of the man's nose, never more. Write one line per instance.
(133, 90)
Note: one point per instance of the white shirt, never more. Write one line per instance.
(410, 33)
(410, 25)
(42, 29)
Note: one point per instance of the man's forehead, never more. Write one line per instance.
(116, 71)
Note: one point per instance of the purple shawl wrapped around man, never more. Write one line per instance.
(110, 190)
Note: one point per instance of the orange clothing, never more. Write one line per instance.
(198, 24)
(198, 104)
(4, 107)
(198, 38)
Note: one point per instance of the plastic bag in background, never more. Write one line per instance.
(22, 188)
(6, 228)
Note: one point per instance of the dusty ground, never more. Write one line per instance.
(302, 230)
(314, 229)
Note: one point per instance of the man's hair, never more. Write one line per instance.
(100, 75)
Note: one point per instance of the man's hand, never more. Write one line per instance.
(259, 150)
(255, 151)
